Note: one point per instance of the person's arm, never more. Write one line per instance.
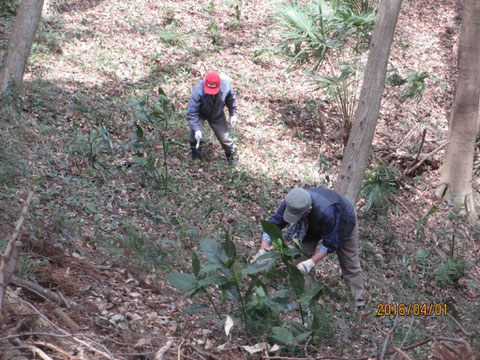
(231, 100)
(330, 220)
(193, 111)
(330, 223)
(318, 256)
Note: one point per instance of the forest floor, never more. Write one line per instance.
(106, 236)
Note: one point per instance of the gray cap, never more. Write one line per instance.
(298, 201)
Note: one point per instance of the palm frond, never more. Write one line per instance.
(378, 189)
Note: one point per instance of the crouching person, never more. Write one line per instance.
(316, 214)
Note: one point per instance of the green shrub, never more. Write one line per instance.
(451, 270)
(378, 189)
(254, 295)
(8, 7)
(155, 113)
(411, 87)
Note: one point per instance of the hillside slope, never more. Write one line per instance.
(102, 233)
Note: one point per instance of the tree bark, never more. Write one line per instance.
(20, 44)
(357, 151)
(457, 172)
(48, 12)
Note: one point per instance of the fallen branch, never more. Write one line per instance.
(163, 350)
(399, 351)
(390, 334)
(55, 348)
(45, 293)
(443, 350)
(35, 350)
(421, 145)
(12, 252)
(36, 333)
(469, 334)
(425, 157)
(67, 320)
(404, 338)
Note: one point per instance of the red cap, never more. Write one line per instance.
(212, 83)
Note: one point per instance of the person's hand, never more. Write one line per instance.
(198, 137)
(257, 255)
(233, 120)
(306, 266)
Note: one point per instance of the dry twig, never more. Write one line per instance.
(11, 254)
(399, 351)
(425, 157)
(163, 350)
(390, 334)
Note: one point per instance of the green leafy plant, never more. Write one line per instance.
(410, 88)
(378, 189)
(155, 114)
(340, 88)
(331, 36)
(212, 25)
(423, 261)
(451, 270)
(90, 146)
(310, 32)
(254, 295)
(141, 250)
(8, 7)
(12, 167)
(237, 13)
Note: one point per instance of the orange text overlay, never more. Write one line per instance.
(415, 309)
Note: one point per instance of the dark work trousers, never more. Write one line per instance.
(220, 129)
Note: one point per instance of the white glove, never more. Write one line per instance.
(198, 137)
(233, 120)
(306, 266)
(257, 255)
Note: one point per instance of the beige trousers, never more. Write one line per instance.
(348, 257)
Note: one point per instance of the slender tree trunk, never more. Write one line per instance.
(20, 44)
(457, 172)
(357, 151)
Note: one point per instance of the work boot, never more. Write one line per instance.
(232, 159)
(196, 153)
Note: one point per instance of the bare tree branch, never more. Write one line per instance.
(12, 252)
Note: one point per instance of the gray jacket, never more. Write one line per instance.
(201, 106)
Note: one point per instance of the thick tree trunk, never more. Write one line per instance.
(357, 151)
(457, 172)
(20, 44)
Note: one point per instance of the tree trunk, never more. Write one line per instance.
(48, 12)
(457, 172)
(20, 44)
(357, 151)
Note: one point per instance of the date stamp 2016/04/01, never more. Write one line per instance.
(415, 309)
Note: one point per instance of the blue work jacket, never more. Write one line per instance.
(202, 106)
(332, 219)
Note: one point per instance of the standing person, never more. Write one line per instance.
(209, 97)
(318, 213)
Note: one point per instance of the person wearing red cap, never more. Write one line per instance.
(207, 102)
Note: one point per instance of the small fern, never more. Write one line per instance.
(451, 270)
